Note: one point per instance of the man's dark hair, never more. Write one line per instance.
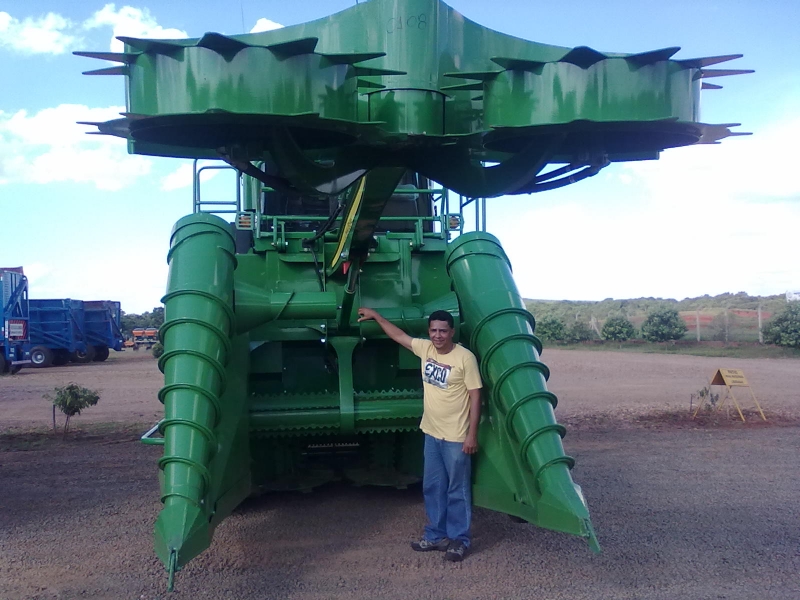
(442, 315)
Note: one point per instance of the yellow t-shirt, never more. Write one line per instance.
(446, 380)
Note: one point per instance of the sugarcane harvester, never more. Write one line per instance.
(353, 135)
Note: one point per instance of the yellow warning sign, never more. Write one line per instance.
(730, 378)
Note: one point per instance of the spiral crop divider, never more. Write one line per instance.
(204, 474)
(566, 460)
(511, 310)
(212, 356)
(543, 395)
(532, 364)
(487, 356)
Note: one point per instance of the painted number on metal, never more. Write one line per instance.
(398, 24)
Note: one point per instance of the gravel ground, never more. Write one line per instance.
(681, 510)
(586, 383)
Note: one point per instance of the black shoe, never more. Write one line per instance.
(455, 551)
(427, 546)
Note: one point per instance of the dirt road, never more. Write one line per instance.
(682, 511)
(128, 383)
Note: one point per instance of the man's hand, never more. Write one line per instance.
(470, 444)
(367, 314)
(393, 331)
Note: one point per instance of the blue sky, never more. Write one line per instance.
(88, 221)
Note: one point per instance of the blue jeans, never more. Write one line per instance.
(447, 491)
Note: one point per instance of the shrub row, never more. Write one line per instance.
(663, 324)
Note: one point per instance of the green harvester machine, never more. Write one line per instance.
(358, 139)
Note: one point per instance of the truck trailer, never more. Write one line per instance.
(103, 327)
(58, 333)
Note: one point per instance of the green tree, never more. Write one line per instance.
(71, 399)
(617, 329)
(784, 328)
(551, 328)
(662, 325)
(640, 307)
(578, 331)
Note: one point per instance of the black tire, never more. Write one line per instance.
(4, 365)
(100, 353)
(83, 357)
(60, 357)
(41, 356)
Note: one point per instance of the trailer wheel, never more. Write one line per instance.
(100, 353)
(3, 365)
(83, 356)
(41, 356)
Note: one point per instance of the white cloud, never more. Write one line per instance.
(43, 35)
(179, 178)
(653, 249)
(756, 167)
(37, 271)
(50, 146)
(182, 176)
(107, 276)
(265, 25)
(55, 34)
(130, 22)
(703, 219)
(625, 179)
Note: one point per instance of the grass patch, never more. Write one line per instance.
(23, 439)
(715, 349)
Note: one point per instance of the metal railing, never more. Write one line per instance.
(276, 234)
(220, 206)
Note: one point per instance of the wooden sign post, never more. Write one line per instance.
(731, 378)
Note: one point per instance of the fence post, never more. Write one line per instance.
(726, 324)
(697, 323)
(760, 332)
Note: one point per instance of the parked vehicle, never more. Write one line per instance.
(13, 319)
(144, 337)
(103, 327)
(57, 333)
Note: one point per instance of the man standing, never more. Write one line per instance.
(452, 404)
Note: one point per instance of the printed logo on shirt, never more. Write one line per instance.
(436, 374)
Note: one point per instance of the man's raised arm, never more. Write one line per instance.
(393, 331)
